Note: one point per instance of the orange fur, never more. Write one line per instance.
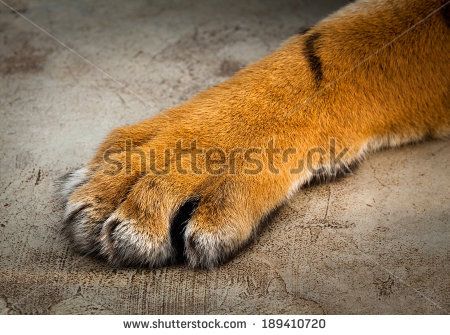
(374, 74)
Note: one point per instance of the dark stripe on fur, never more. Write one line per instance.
(446, 14)
(315, 64)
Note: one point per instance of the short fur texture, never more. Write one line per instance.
(374, 74)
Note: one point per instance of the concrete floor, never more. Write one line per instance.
(373, 242)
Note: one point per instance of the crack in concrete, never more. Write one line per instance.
(375, 175)
(328, 202)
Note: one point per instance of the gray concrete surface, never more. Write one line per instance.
(373, 242)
